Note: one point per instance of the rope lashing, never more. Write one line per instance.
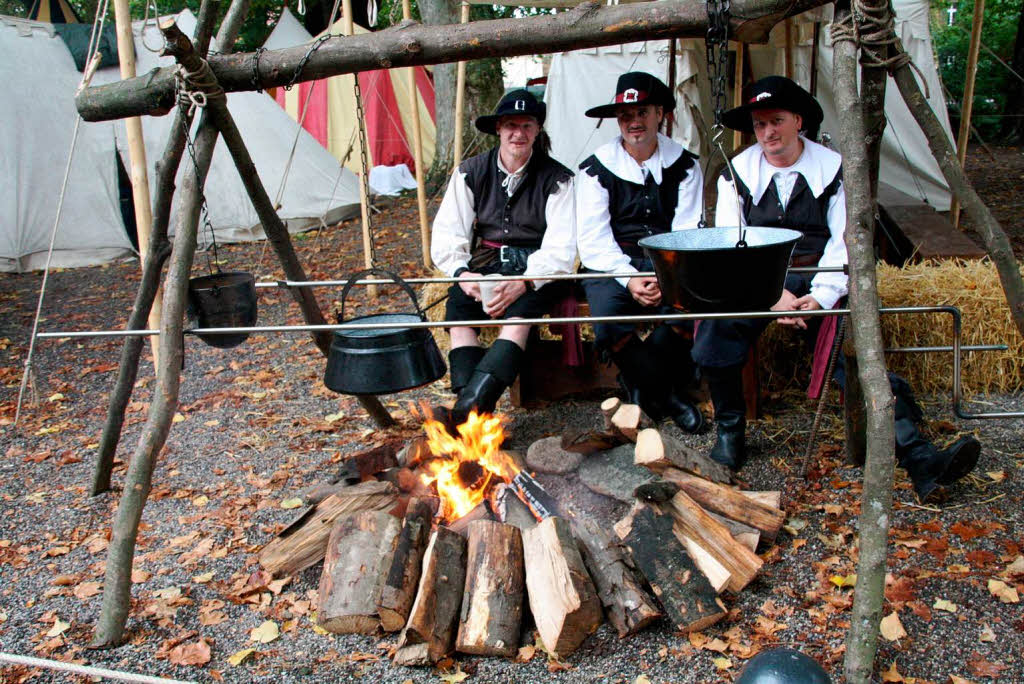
(197, 88)
(871, 26)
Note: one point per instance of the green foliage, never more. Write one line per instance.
(993, 82)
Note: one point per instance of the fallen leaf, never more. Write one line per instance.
(526, 654)
(943, 604)
(722, 663)
(987, 635)
(291, 503)
(1015, 568)
(953, 679)
(200, 501)
(985, 668)
(36, 497)
(892, 628)
(237, 659)
(891, 675)
(87, 589)
(212, 423)
(265, 633)
(59, 627)
(140, 576)
(167, 593)
(3, 616)
(196, 653)
(178, 418)
(334, 417)
(842, 582)
(1003, 591)
(203, 578)
(454, 677)
(55, 397)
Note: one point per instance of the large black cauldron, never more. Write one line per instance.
(223, 300)
(709, 269)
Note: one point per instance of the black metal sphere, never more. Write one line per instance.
(783, 666)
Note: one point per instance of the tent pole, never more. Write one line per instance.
(137, 160)
(968, 103)
(417, 150)
(814, 59)
(788, 26)
(737, 92)
(460, 97)
(671, 82)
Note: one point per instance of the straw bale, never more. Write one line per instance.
(972, 286)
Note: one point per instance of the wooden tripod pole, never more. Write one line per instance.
(460, 97)
(137, 160)
(417, 151)
(737, 93)
(968, 104)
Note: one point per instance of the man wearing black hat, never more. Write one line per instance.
(509, 211)
(641, 183)
(787, 180)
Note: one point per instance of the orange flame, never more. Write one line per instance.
(479, 442)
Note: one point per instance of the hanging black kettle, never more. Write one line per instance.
(382, 360)
(223, 300)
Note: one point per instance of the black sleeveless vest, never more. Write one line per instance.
(804, 212)
(519, 220)
(641, 210)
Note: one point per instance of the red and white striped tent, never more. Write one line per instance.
(331, 115)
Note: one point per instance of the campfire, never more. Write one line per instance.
(449, 540)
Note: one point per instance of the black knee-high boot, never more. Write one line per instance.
(491, 377)
(673, 354)
(642, 372)
(462, 361)
(726, 386)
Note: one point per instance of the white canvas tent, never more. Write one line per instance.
(39, 115)
(585, 78)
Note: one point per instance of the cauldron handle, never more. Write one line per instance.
(717, 131)
(380, 272)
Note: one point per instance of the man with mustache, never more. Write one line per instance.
(787, 180)
(639, 184)
(508, 211)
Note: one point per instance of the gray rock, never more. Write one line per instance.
(547, 456)
(613, 474)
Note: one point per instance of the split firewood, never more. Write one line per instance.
(315, 493)
(744, 534)
(563, 600)
(492, 604)
(658, 491)
(619, 585)
(608, 408)
(304, 542)
(629, 420)
(358, 559)
(372, 461)
(690, 601)
(769, 498)
(716, 573)
(403, 576)
(657, 452)
(414, 452)
(729, 502)
(429, 635)
(482, 511)
(693, 521)
(511, 510)
(591, 441)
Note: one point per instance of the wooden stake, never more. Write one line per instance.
(460, 97)
(417, 152)
(492, 604)
(563, 600)
(968, 102)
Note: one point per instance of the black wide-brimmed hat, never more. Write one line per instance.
(635, 88)
(514, 103)
(774, 92)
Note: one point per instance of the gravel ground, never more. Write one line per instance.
(257, 426)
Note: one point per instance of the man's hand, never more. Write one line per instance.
(645, 290)
(505, 294)
(790, 302)
(472, 289)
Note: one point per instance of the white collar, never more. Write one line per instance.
(615, 158)
(817, 164)
(518, 172)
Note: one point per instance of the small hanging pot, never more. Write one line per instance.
(707, 270)
(382, 360)
(223, 300)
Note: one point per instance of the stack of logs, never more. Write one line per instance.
(388, 566)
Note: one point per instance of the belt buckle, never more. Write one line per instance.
(501, 254)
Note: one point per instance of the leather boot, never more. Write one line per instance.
(928, 467)
(495, 372)
(673, 353)
(642, 375)
(726, 386)
(462, 362)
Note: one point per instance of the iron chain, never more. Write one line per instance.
(186, 120)
(314, 46)
(717, 45)
(365, 176)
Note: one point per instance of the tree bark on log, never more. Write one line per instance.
(729, 502)
(563, 599)
(429, 635)
(619, 584)
(158, 251)
(608, 408)
(862, 640)
(656, 452)
(411, 44)
(403, 575)
(492, 604)
(629, 420)
(358, 558)
(690, 602)
(304, 542)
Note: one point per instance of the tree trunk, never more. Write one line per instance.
(159, 250)
(411, 44)
(1013, 126)
(438, 13)
(996, 243)
(862, 641)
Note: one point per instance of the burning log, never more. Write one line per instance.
(689, 600)
(492, 604)
(429, 635)
(619, 586)
(304, 541)
(402, 577)
(657, 452)
(693, 521)
(358, 558)
(511, 510)
(372, 461)
(629, 420)
(563, 600)
(729, 502)
(481, 512)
